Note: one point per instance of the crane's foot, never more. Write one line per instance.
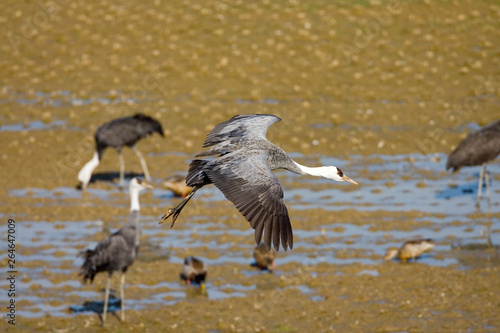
(170, 212)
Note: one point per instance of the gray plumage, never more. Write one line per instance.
(478, 148)
(115, 253)
(117, 133)
(118, 251)
(242, 171)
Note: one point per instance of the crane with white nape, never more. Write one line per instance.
(118, 251)
(242, 171)
(125, 131)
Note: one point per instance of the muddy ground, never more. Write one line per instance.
(352, 81)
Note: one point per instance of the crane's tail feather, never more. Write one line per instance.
(89, 266)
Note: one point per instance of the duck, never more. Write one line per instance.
(177, 184)
(410, 249)
(194, 270)
(264, 259)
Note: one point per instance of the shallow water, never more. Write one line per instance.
(55, 243)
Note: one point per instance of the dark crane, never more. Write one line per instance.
(117, 133)
(118, 251)
(478, 148)
(242, 171)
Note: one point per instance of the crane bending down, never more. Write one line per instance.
(117, 133)
(118, 251)
(478, 148)
(242, 171)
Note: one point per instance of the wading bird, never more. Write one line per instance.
(242, 171)
(118, 251)
(264, 258)
(194, 270)
(177, 184)
(117, 133)
(409, 250)
(478, 148)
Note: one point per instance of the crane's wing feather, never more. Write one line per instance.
(108, 253)
(246, 180)
(229, 135)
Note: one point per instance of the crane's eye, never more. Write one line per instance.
(340, 173)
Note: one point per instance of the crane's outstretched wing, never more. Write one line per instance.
(229, 135)
(246, 180)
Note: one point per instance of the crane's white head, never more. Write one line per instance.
(329, 172)
(137, 184)
(335, 173)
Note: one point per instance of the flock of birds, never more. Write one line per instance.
(241, 168)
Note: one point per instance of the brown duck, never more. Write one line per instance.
(410, 250)
(264, 259)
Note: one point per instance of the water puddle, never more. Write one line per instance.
(32, 126)
(400, 183)
(68, 99)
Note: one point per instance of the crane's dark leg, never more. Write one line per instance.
(143, 163)
(122, 169)
(177, 209)
(106, 300)
(122, 296)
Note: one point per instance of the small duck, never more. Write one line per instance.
(410, 249)
(264, 259)
(177, 184)
(194, 270)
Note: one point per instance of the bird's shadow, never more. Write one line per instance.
(262, 269)
(459, 190)
(111, 177)
(97, 307)
(420, 258)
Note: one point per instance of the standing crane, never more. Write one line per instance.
(478, 148)
(125, 131)
(242, 171)
(118, 251)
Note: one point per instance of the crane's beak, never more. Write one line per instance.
(144, 183)
(347, 179)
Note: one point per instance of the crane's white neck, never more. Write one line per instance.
(134, 199)
(86, 172)
(329, 172)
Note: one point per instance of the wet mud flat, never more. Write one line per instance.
(383, 90)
